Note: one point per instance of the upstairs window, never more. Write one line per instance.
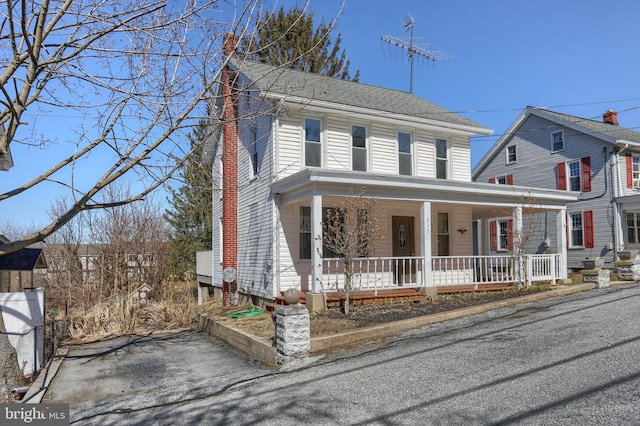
(511, 154)
(574, 175)
(404, 154)
(633, 171)
(312, 142)
(557, 141)
(442, 159)
(359, 148)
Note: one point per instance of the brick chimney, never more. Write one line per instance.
(229, 173)
(610, 117)
(230, 43)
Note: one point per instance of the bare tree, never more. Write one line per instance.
(352, 231)
(135, 74)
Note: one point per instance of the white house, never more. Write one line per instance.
(292, 144)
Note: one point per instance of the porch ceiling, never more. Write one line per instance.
(484, 197)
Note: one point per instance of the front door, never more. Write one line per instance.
(404, 270)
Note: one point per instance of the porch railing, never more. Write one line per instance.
(393, 272)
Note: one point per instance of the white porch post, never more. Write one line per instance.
(425, 243)
(561, 231)
(517, 244)
(316, 243)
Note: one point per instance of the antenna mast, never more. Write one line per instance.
(412, 50)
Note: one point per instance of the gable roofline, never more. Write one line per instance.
(614, 135)
(328, 93)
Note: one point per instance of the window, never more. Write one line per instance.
(502, 180)
(500, 234)
(581, 229)
(441, 159)
(443, 234)
(575, 234)
(359, 148)
(312, 142)
(574, 176)
(576, 173)
(305, 233)
(633, 227)
(557, 141)
(253, 151)
(404, 154)
(635, 171)
(511, 154)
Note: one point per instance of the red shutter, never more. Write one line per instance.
(492, 180)
(509, 179)
(588, 229)
(510, 234)
(586, 174)
(629, 171)
(562, 176)
(493, 230)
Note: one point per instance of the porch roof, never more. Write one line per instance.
(326, 182)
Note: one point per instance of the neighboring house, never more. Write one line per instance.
(292, 144)
(599, 161)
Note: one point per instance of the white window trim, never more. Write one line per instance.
(506, 152)
(323, 144)
(635, 180)
(570, 244)
(448, 158)
(367, 144)
(635, 213)
(568, 174)
(254, 171)
(411, 150)
(563, 141)
(499, 246)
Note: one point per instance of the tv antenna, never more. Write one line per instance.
(412, 49)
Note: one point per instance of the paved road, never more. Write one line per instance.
(563, 361)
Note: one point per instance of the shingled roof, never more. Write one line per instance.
(595, 126)
(314, 87)
(26, 259)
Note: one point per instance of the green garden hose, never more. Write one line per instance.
(246, 313)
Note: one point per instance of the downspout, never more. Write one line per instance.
(275, 123)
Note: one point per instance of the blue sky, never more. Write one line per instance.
(578, 58)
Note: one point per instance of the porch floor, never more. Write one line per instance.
(366, 297)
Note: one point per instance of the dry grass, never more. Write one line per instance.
(175, 307)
